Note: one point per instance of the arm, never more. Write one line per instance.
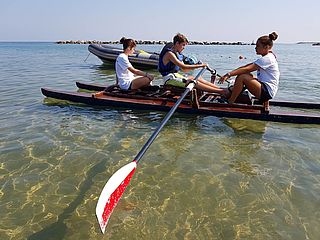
(140, 73)
(184, 67)
(238, 71)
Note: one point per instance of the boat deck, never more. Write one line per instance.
(206, 105)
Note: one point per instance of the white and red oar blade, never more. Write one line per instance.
(112, 193)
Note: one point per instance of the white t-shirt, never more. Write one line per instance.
(124, 76)
(268, 72)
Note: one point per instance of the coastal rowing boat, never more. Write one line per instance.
(163, 98)
(302, 105)
(109, 54)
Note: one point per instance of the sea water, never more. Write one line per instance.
(203, 178)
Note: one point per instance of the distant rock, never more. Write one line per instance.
(306, 43)
(149, 42)
(310, 43)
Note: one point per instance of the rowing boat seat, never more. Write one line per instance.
(266, 106)
(113, 88)
(144, 91)
(244, 98)
(174, 89)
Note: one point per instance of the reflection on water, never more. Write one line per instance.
(243, 126)
(203, 177)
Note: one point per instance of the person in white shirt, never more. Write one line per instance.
(265, 85)
(126, 78)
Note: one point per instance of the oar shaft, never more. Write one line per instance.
(167, 117)
(118, 182)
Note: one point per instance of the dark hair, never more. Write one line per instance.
(268, 40)
(127, 43)
(180, 38)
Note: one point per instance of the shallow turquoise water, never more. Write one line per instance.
(203, 177)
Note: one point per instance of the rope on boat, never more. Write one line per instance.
(87, 57)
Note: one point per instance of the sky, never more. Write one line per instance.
(199, 20)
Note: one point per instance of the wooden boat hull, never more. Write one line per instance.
(162, 104)
(302, 105)
(109, 54)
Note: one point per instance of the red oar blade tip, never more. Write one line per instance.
(112, 193)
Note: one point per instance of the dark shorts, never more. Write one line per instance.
(264, 96)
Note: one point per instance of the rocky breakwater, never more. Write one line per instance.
(150, 42)
(84, 42)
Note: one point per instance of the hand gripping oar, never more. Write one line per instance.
(214, 75)
(118, 182)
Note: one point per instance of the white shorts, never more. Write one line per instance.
(175, 79)
(125, 85)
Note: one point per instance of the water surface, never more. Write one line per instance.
(203, 178)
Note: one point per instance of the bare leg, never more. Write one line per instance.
(212, 89)
(140, 82)
(252, 84)
(209, 87)
(207, 83)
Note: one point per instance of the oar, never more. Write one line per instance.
(118, 182)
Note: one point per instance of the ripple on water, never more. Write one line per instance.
(203, 178)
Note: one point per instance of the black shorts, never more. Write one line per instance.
(264, 96)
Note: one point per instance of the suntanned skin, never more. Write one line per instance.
(244, 76)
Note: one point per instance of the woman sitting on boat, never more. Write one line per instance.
(170, 62)
(125, 71)
(265, 85)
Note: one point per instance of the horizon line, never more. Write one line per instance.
(55, 41)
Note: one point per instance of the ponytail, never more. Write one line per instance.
(273, 36)
(127, 43)
(268, 40)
